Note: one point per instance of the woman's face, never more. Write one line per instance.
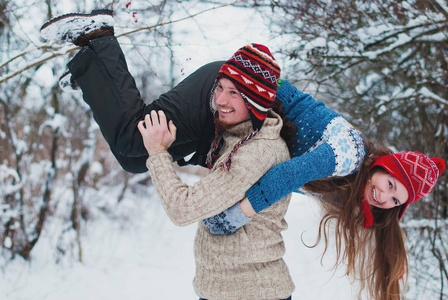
(231, 107)
(385, 191)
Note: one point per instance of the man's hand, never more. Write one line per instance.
(155, 132)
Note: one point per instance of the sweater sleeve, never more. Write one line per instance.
(325, 145)
(310, 116)
(291, 175)
(214, 193)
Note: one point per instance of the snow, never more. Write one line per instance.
(422, 223)
(131, 250)
(318, 42)
(367, 83)
(57, 30)
(58, 121)
(443, 4)
(427, 93)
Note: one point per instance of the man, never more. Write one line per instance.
(247, 264)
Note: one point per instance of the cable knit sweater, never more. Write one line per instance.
(247, 264)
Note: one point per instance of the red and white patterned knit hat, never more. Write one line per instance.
(417, 172)
(254, 72)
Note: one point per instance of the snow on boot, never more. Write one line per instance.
(67, 84)
(70, 27)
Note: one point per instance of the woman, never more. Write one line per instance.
(318, 153)
(365, 192)
(367, 208)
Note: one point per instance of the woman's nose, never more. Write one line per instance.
(381, 198)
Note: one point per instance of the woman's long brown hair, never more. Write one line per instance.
(375, 256)
(289, 130)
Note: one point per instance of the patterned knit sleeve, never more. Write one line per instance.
(310, 116)
(347, 149)
(326, 145)
(291, 175)
(347, 143)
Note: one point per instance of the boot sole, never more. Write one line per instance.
(54, 28)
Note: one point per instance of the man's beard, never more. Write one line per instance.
(220, 125)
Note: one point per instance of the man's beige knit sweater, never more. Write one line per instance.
(247, 264)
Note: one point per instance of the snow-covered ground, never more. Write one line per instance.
(131, 250)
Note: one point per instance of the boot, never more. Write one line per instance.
(78, 28)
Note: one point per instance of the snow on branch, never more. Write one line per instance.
(9, 175)
(177, 20)
(426, 223)
(35, 62)
(50, 52)
(425, 92)
(57, 122)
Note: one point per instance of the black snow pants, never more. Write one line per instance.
(110, 90)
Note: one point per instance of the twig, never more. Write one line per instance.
(178, 20)
(16, 73)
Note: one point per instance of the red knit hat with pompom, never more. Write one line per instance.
(255, 74)
(416, 171)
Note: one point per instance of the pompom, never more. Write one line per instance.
(440, 164)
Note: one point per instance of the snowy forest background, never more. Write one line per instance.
(382, 64)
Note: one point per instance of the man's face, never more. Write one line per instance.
(232, 109)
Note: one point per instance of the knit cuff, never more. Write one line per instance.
(158, 158)
(228, 221)
(256, 197)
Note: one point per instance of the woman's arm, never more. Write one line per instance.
(229, 220)
(317, 125)
(216, 192)
(278, 182)
(291, 175)
(345, 144)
